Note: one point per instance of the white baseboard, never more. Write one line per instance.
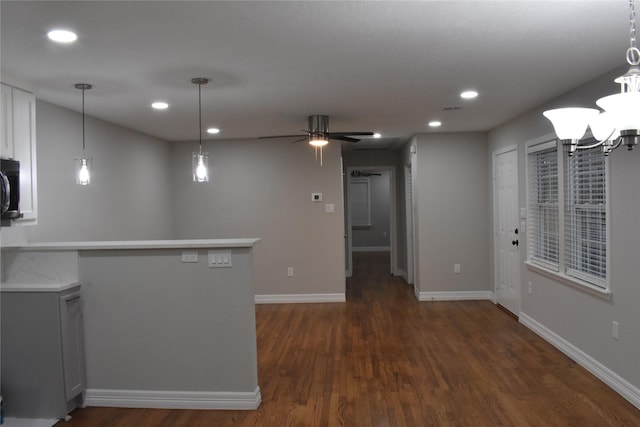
(453, 295)
(606, 375)
(173, 399)
(401, 273)
(299, 298)
(371, 249)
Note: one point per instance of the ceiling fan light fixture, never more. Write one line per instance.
(318, 140)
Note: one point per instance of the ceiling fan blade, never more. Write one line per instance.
(280, 136)
(306, 138)
(343, 138)
(332, 134)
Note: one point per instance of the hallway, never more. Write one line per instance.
(385, 359)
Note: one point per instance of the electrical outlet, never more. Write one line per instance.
(456, 268)
(615, 329)
(290, 271)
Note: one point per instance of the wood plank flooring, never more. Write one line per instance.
(385, 359)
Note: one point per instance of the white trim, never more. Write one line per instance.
(371, 248)
(453, 296)
(401, 273)
(173, 399)
(606, 375)
(299, 298)
(570, 281)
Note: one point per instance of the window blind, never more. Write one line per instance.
(586, 216)
(543, 206)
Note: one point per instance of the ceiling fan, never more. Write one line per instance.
(319, 135)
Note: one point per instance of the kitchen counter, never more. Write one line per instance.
(37, 287)
(168, 323)
(137, 244)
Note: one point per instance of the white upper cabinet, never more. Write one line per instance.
(19, 142)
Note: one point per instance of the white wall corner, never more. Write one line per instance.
(454, 296)
(299, 298)
(606, 375)
(173, 399)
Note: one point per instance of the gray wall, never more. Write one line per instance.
(580, 318)
(452, 212)
(263, 189)
(128, 198)
(376, 235)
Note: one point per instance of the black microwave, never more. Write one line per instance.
(10, 189)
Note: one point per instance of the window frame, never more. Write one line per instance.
(601, 288)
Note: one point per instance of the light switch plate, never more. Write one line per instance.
(219, 259)
(330, 208)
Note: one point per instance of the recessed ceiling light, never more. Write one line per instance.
(435, 124)
(62, 36)
(213, 131)
(160, 105)
(377, 135)
(469, 94)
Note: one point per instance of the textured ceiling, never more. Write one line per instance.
(387, 67)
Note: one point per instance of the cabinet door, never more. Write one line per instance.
(72, 344)
(6, 122)
(24, 150)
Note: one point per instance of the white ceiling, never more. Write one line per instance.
(383, 66)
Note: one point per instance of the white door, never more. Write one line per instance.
(506, 223)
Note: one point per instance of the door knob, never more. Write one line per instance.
(514, 242)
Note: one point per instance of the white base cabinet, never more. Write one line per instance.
(43, 368)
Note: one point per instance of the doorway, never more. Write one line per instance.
(370, 207)
(507, 236)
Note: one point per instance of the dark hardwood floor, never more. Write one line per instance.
(385, 359)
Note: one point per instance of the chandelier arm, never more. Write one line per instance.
(586, 147)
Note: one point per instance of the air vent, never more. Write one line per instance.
(450, 109)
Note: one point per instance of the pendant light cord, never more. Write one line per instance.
(200, 115)
(83, 143)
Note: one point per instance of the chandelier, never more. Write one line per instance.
(619, 123)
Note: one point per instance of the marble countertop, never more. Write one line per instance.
(137, 244)
(37, 287)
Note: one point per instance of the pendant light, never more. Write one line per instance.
(620, 122)
(200, 159)
(83, 164)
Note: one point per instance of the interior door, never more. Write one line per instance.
(508, 237)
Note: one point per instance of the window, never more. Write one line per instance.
(543, 205)
(586, 216)
(567, 205)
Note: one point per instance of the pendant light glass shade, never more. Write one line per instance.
(200, 167)
(570, 123)
(83, 171)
